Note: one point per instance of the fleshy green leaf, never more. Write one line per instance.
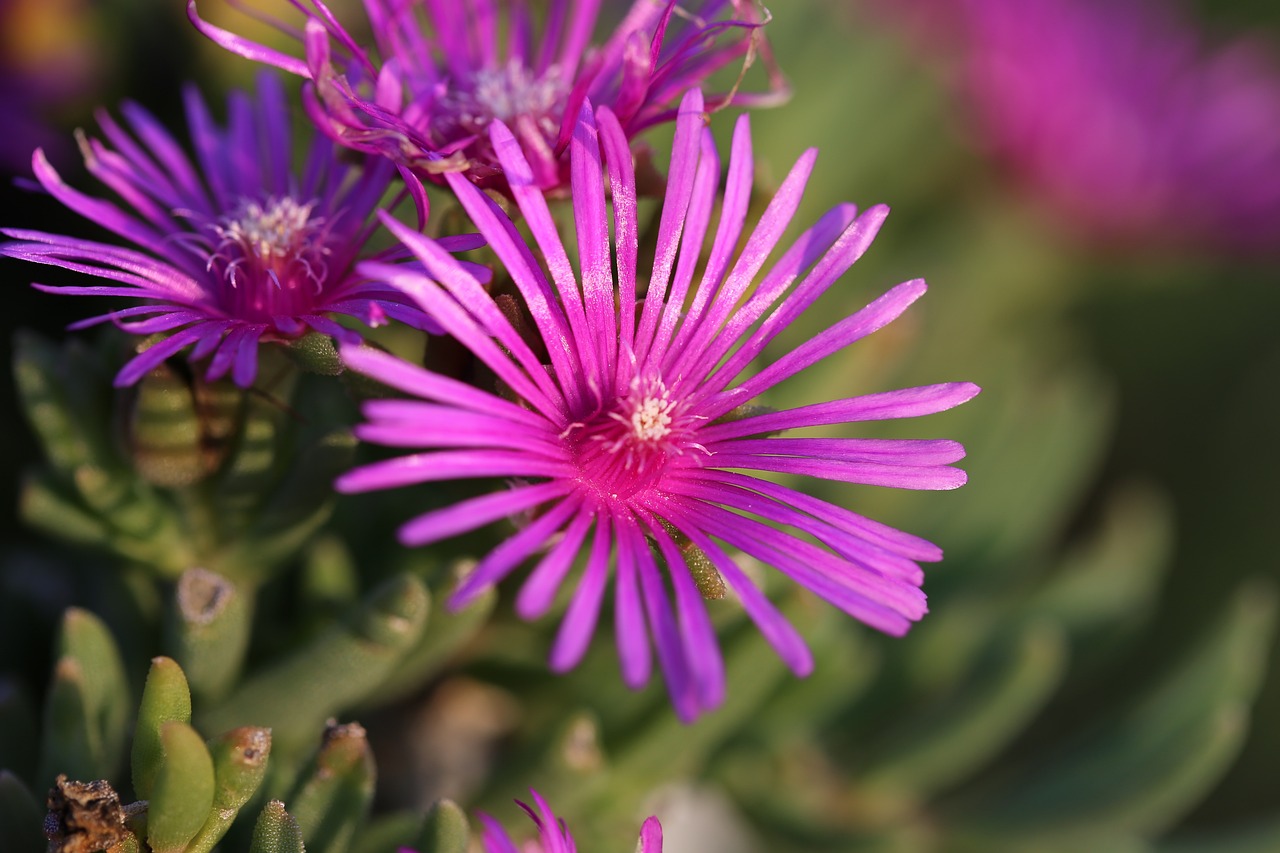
(276, 831)
(87, 705)
(209, 624)
(165, 698)
(334, 794)
(239, 766)
(181, 798)
(445, 831)
(337, 670)
(1141, 772)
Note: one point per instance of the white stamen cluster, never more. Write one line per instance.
(506, 94)
(270, 237)
(272, 231)
(651, 418)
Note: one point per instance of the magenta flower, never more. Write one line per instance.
(1122, 118)
(237, 248)
(553, 835)
(444, 71)
(634, 438)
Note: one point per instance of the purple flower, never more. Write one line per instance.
(1124, 120)
(236, 248)
(553, 835)
(633, 437)
(444, 71)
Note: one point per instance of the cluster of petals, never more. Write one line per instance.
(629, 440)
(233, 248)
(441, 71)
(553, 834)
(1124, 118)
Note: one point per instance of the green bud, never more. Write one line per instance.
(446, 830)
(314, 352)
(165, 698)
(163, 431)
(209, 628)
(705, 575)
(334, 793)
(276, 831)
(87, 706)
(239, 766)
(181, 798)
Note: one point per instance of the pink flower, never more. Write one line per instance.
(1122, 117)
(442, 71)
(553, 835)
(629, 439)
(234, 249)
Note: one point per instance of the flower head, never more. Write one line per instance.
(1121, 117)
(234, 248)
(553, 835)
(631, 443)
(444, 72)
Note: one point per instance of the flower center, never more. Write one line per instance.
(627, 446)
(511, 94)
(273, 256)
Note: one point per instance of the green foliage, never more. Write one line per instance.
(87, 704)
(276, 831)
(166, 698)
(334, 672)
(202, 474)
(181, 799)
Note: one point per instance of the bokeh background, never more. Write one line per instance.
(1121, 517)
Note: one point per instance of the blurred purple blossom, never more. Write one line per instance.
(48, 58)
(553, 835)
(636, 429)
(1123, 116)
(442, 71)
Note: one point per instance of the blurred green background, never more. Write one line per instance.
(1127, 426)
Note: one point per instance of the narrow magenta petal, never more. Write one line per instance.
(853, 328)
(504, 559)
(701, 650)
(242, 46)
(152, 356)
(683, 689)
(476, 512)
(630, 630)
(580, 620)
(928, 478)
(413, 379)
(447, 465)
(772, 624)
(886, 405)
(544, 581)
(651, 836)
(680, 181)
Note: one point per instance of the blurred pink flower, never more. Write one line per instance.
(1122, 116)
(440, 72)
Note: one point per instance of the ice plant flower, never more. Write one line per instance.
(553, 835)
(1122, 117)
(235, 248)
(442, 71)
(632, 442)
